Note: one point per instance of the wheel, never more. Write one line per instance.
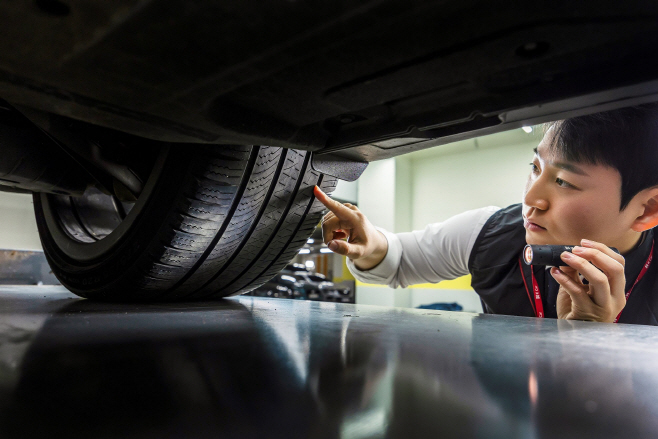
(209, 222)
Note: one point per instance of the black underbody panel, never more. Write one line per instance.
(364, 79)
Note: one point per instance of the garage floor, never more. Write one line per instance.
(269, 368)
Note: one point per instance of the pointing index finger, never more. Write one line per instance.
(341, 211)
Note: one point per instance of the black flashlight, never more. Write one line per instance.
(548, 254)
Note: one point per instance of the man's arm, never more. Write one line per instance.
(439, 252)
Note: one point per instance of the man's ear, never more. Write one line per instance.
(649, 217)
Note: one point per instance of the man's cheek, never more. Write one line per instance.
(565, 224)
(582, 223)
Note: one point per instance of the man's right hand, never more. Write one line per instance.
(347, 232)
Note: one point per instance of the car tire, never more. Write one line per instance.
(210, 222)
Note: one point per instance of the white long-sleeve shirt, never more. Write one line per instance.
(439, 252)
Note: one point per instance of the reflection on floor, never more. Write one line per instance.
(252, 367)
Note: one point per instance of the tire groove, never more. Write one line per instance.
(253, 156)
(176, 229)
(282, 160)
(294, 234)
(293, 241)
(307, 160)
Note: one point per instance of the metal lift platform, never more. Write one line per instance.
(250, 367)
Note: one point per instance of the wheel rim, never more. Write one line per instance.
(86, 228)
(91, 217)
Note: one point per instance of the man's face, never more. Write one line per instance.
(564, 202)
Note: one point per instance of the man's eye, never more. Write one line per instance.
(534, 167)
(562, 183)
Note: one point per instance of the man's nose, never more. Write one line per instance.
(535, 195)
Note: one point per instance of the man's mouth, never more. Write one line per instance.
(531, 226)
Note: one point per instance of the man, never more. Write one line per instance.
(593, 183)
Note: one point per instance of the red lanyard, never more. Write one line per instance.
(640, 276)
(538, 306)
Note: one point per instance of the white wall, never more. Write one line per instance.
(446, 185)
(18, 228)
(377, 193)
(404, 183)
(346, 192)
(381, 198)
(435, 184)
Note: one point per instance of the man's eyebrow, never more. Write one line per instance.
(566, 166)
(569, 167)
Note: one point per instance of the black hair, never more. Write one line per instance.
(624, 139)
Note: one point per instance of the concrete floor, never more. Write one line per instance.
(269, 368)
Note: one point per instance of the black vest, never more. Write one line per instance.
(496, 276)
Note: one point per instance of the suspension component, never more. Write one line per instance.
(33, 162)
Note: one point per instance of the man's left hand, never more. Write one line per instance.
(603, 298)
